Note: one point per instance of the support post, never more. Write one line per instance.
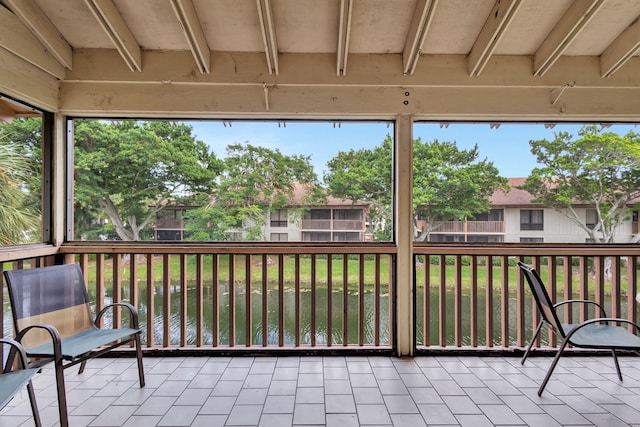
(403, 213)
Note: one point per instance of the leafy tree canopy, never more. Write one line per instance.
(127, 171)
(254, 182)
(448, 182)
(20, 217)
(598, 169)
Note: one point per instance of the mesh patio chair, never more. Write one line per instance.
(52, 319)
(14, 377)
(602, 333)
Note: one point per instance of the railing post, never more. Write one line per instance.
(403, 214)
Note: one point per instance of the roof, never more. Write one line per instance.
(513, 197)
(434, 59)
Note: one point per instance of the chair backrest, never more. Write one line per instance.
(543, 302)
(55, 295)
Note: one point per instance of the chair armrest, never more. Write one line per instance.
(52, 331)
(16, 348)
(602, 320)
(132, 312)
(582, 301)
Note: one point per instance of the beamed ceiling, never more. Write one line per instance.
(433, 59)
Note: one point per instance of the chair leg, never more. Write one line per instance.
(552, 367)
(62, 395)
(83, 364)
(34, 405)
(533, 339)
(139, 357)
(615, 359)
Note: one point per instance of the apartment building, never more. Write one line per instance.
(515, 219)
(338, 220)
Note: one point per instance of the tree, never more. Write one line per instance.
(599, 169)
(20, 217)
(128, 171)
(365, 175)
(447, 182)
(255, 181)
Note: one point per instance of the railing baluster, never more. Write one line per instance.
(345, 300)
(615, 287)
(584, 287)
(296, 281)
(215, 300)
(313, 300)
(199, 300)
(361, 300)
(133, 282)
(232, 300)
(568, 286)
(100, 285)
(535, 315)
(473, 300)
(281, 305)
(166, 300)
(489, 302)
(552, 283)
(520, 307)
(248, 307)
(457, 301)
(504, 310)
(329, 300)
(598, 263)
(632, 289)
(442, 299)
(376, 302)
(265, 301)
(183, 300)
(117, 288)
(150, 302)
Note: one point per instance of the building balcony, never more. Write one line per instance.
(332, 224)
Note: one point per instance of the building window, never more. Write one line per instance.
(531, 240)
(279, 237)
(346, 237)
(531, 219)
(353, 214)
(591, 218)
(279, 218)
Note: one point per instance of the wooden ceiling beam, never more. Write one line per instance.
(344, 31)
(422, 19)
(18, 39)
(188, 18)
(494, 28)
(625, 46)
(564, 33)
(267, 27)
(35, 19)
(121, 36)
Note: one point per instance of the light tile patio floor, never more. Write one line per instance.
(339, 391)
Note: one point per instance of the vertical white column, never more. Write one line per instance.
(403, 208)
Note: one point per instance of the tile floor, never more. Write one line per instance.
(339, 391)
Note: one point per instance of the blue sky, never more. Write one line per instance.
(507, 146)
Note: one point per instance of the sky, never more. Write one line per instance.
(507, 146)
